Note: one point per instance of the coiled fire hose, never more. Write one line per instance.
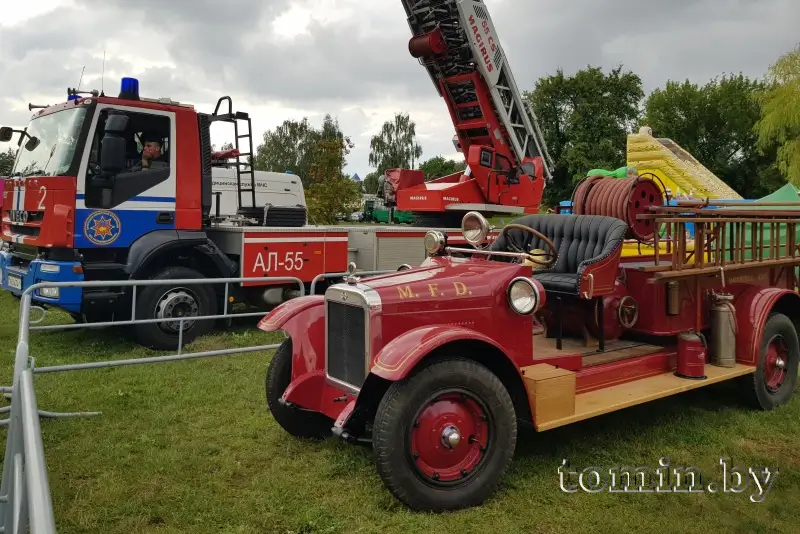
(623, 198)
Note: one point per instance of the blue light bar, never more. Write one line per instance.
(72, 97)
(129, 89)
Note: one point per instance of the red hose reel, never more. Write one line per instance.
(623, 198)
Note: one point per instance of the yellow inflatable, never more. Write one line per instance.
(678, 170)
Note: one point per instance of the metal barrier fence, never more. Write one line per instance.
(25, 500)
(25, 493)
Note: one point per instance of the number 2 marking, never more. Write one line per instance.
(43, 191)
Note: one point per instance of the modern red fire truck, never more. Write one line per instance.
(544, 326)
(496, 130)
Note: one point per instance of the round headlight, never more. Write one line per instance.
(435, 241)
(523, 296)
(475, 228)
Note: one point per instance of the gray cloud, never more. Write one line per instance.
(200, 50)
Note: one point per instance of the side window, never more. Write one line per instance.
(486, 158)
(501, 164)
(147, 143)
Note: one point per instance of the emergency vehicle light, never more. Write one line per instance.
(129, 89)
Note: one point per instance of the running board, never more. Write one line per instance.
(610, 399)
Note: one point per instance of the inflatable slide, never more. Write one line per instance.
(678, 170)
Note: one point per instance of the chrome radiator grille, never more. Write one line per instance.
(347, 354)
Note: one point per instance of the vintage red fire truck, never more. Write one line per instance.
(438, 365)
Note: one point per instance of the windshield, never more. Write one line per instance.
(58, 135)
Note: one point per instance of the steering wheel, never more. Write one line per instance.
(553, 255)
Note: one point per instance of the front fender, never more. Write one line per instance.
(401, 354)
(278, 318)
(303, 319)
(752, 309)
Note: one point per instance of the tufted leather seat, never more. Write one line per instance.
(581, 240)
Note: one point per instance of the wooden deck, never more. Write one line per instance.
(603, 401)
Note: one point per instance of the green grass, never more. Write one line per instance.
(190, 447)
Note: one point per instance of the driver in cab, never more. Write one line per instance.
(152, 157)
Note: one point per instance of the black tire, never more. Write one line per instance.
(166, 301)
(438, 221)
(772, 386)
(297, 422)
(402, 452)
(290, 216)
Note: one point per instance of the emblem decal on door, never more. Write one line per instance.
(102, 227)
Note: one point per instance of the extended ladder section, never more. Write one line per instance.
(242, 157)
(455, 40)
(727, 238)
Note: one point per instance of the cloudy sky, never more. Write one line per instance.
(282, 59)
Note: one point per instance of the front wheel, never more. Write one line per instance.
(174, 304)
(776, 375)
(444, 436)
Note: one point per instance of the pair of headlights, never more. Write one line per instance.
(522, 294)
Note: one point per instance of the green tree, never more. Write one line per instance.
(371, 183)
(779, 124)
(289, 147)
(7, 161)
(439, 167)
(396, 146)
(585, 119)
(330, 190)
(715, 123)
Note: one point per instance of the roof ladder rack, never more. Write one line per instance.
(243, 158)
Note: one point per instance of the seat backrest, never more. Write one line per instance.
(577, 237)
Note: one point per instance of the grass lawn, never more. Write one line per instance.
(190, 447)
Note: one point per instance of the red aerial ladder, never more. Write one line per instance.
(496, 130)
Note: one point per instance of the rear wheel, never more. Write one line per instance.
(174, 303)
(776, 375)
(444, 436)
(296, 421)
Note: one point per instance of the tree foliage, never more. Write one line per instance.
(330, 190)
(371, 183)
(396, 145)
(585, 119)
(438, 166)
(7, 161)
(779, 125)
(318, 156)
(289, 147)
(715, 123)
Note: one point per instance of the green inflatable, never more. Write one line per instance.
(622, 172)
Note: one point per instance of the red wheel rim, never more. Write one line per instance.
(775, 363)
(449, 437)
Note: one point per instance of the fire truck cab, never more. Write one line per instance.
(82, 203)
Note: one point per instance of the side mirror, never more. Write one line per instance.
(475, 228)
(6, 133)
(112, 154)
(32, 143)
